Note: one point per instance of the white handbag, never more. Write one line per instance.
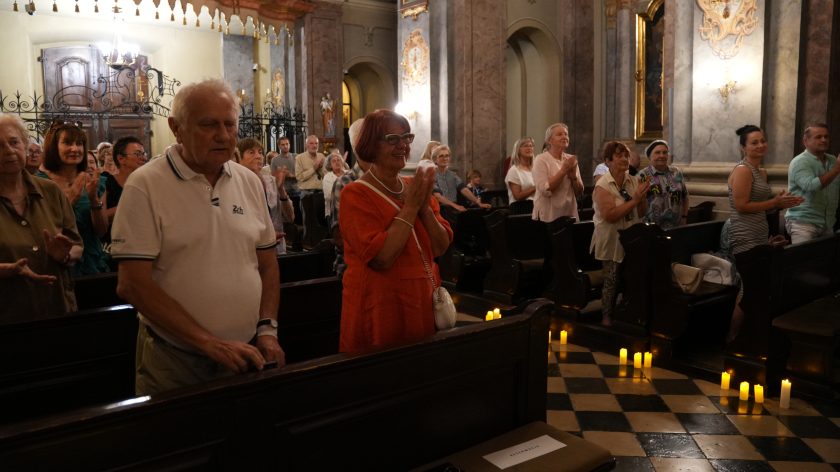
(442, 304)
(715, 269)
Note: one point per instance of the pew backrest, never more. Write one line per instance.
(309, 318)
(97, 291)
(392, 409)
(313, 264)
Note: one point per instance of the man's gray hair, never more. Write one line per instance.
(180, 110)
(17, 123)
(550, 130)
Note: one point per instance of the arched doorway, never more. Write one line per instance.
(533, 82)
(370, 85)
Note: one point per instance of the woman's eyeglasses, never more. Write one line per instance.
(394, 139)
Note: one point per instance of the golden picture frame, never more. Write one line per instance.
(650, 98)
(413, 8)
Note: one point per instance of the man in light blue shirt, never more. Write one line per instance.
(813, 175)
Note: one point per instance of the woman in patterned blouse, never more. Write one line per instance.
(667, 197)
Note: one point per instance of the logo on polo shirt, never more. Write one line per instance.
(237, 210)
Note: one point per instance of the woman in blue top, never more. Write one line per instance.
(66, 163)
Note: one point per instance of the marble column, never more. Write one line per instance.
(815, 63)
(417, 51)
(625, 86)
(679, 36)
(321, 67)
(577, 28)
(477, 83)
(783, 65)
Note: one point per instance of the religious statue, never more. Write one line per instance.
(327, 105)
(278, 89)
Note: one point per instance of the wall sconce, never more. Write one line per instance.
(727, 89)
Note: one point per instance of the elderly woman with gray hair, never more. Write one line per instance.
(39, 241)
(667, 197)
(335, 169)
(556, 177)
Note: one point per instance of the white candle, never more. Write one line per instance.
(745, 391)
(497, 314)
(724, 380)
(759, 393)
(563, 337)
(637, 360)
(489, 316)
(784, 398)
(549, 338)
(648, 359)
(622, 356)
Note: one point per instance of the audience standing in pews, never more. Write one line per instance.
(203, 272)
(66, 162)
(750, 198)
(352, 175)
(33, 157)
(286, 160)
(129, 155)
(392, 230)
(667, 197)
(335, 168)
(519, 179)
(279, 205)
(556, 177)
(39, 240)
(813, 176)
(619, 202)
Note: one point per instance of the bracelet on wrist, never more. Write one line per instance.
(403, 220)
(97, 206)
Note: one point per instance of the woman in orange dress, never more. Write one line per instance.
(387, 296)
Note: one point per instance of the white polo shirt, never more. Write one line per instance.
(202, 240)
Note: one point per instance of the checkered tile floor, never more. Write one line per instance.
(664, 421)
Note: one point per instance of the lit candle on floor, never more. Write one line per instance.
(563, 336)
(637, 360)
(784, 398)
(496, 314)
(648, 359)
(724, 380)
(622, 356)
(759, 393)
(745, 391)
(489, 316)
(549, 339)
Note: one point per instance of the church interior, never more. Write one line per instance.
(477, 75)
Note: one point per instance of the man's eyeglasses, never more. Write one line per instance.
(36, 152)
(394, 139)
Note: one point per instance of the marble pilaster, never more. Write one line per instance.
(679, 22)
(416, 95)
(321, 68)
(478, 83)
(577, 30)
(625, 87)
(815, 63)
(782, 73)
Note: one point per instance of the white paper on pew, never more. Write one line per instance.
(524, 451)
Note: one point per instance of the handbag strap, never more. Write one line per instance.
(426, 265)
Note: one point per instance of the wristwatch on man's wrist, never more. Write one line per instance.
(267, 322)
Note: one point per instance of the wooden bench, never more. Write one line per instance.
(314, 220)
(777, 280)
(391, 409)
(466, 262)
(701, 212)
(100, 290)
(808, 339)
(313, 264)
(87, 358)
(577, 275)
(654, 306)
(517, 252)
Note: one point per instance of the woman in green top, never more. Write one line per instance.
(38, 240)
(66, 163)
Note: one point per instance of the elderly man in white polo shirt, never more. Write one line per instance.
(196, 249)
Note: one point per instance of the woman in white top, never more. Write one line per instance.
(620, 201)
(336, 168)
(556, 177)
(519, 179)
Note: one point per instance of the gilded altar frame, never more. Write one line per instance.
(650, 93)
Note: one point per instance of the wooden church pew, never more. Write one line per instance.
(466, 262)
(517, 252)
(576, 274)
(391, 409)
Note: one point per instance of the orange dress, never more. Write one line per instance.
(383, 307)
